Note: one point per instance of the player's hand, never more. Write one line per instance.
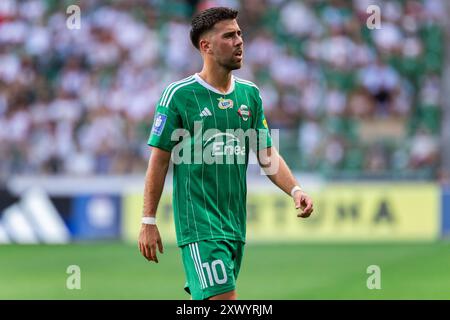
(149, 238)
(304, 203)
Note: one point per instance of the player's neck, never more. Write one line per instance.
(218, 78)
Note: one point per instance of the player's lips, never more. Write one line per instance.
(238, 54)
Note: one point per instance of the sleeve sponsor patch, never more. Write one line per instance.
(158, 125)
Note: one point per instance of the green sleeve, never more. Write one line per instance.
(264, 139)
(166, 120)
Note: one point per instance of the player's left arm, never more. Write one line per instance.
(279, 173)
(274, 165)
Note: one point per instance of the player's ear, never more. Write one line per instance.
(205, 45)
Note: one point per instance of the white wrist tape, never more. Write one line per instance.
(294, 190)
(148, 220)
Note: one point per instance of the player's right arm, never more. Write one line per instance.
(166, 120)
(149, 237)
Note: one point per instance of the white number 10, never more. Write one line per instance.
(214, 272)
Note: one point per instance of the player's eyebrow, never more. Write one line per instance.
(232, 32)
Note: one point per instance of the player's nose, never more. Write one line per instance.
(239, 42)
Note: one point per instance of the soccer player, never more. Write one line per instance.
(209, 191)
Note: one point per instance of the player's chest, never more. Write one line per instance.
(216, 112)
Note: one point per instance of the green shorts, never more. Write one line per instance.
(211, 267)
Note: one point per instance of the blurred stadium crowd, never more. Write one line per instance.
(350, 102)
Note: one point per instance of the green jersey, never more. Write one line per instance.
(210, 135)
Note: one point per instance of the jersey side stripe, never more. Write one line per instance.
(171, 86)
(165, 104)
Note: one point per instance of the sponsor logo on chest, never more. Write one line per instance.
(225, 144)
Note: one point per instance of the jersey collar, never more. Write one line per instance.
(210, 87)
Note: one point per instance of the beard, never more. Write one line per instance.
(231, 64)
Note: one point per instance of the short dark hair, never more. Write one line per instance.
(205, 21)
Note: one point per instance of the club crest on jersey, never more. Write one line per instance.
(244, 112)
(225, 103)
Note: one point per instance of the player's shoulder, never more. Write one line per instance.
(246, 83)
(176, 89)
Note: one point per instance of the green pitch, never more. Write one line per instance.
(288, 271)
